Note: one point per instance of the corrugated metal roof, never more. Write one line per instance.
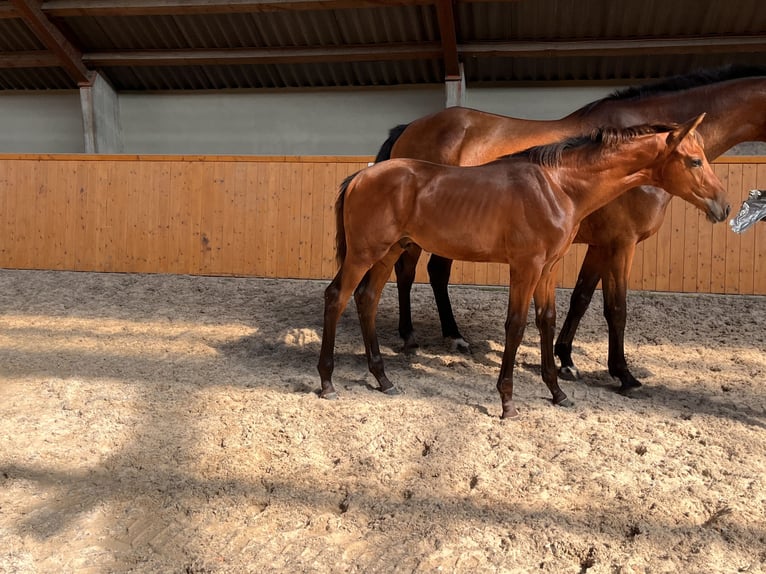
(366, 43)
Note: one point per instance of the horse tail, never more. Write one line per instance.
(340, 228)
(388, 145)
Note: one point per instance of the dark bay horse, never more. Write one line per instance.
(735, 102)
(523, 210)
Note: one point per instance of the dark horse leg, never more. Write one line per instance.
(367, 296)
(519, 295)
(439, 270)
(611, 265)
(405, 276)
(545, 320)
(587, 280)
(336, 297)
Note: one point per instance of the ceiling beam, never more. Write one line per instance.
(639, 47)
(370, 53)
(51, 37)
(446, 18)
(35, 59)
(7, 10)
(68, 8)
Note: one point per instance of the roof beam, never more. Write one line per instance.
(373, 53)
(640, 47)
(35, 59)
(446, 18)
(51, 37)
(66, 8)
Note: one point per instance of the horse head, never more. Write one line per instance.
(687, 173)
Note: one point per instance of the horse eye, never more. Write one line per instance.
(696, 162)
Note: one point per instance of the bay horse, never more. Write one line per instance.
(735, 101)
(523, 210)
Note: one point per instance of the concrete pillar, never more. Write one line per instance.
(455, 89)
(101, 117)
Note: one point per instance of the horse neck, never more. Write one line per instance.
(611, 173)
(736, 112)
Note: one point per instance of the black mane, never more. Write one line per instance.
(680, 83)
(551, 155)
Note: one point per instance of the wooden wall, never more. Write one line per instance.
(273, 217)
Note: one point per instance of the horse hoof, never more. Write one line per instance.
(331, 396)
(627, 390)
(459, 345)
(391, 392)
(509, 412)
(565, 402)
(569, 373)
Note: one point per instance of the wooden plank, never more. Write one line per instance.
(747, 245)
(635, 281)
(691, 255)
(712, 244)
(250, 245)
(649, 275)
(319, 198)
(196, 184)
(677, 233)
(759, 229)
(225, 258)
(38, 192)
(262, 230)
(10, 213)
(306, 193)
(292, 191)
(726, 243)
(662, 254)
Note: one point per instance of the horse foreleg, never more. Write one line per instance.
(367, 296)
(439, 270)
(587, 280)
(545, 319)
(336, 297)
(615, 287)
(519, 296)
(405, 268)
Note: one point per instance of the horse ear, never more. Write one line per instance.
(677, 135)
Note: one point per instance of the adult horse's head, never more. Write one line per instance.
(687, 173)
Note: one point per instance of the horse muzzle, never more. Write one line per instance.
(717, 210)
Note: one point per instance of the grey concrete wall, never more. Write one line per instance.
(337, 122)
(312, 122)
(40, 122)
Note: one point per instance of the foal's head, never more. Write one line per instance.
(685, 172)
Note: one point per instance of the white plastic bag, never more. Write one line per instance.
(753, 209)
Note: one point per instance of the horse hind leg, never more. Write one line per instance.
(367, 296)
(545, 320)
(405, 268)
(439, 270)
(615, 286)
(336, 297)
(582, 294)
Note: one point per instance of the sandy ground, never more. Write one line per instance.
(172, 424)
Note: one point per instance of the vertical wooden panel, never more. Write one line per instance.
(690, 247)
(713, 237)
(747, 245)
(662, 249)
(722, 236)
(292, 191)
(636, 280)
(759, 229)
(676, 262)
(649, 264)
